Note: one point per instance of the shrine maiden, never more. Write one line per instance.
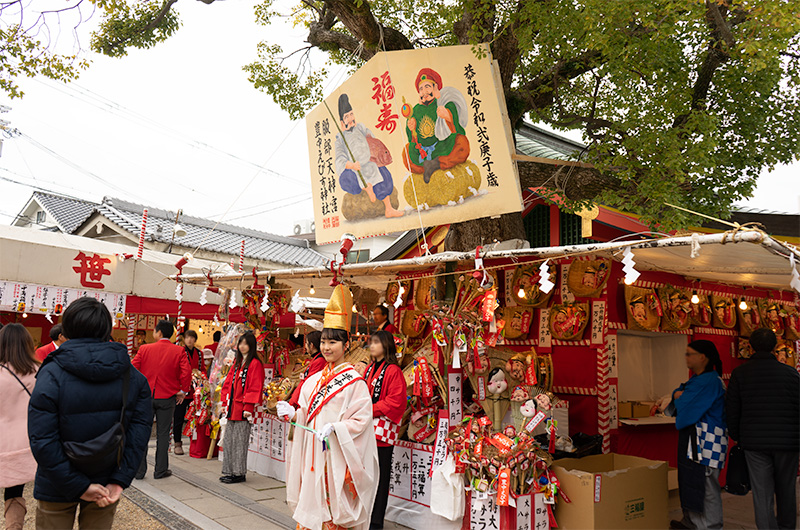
(241, 392)
(332, 473)
(388, 388)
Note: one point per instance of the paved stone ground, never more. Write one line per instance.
(194, 495)
(737, 511)
(128, 515)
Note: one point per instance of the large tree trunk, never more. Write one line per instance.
(478, 232)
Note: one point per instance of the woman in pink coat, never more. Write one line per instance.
(18, 367)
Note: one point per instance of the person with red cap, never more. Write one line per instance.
(436, 127)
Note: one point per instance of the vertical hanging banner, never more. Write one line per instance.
(566, 294)
(422, 130)
(545, 338)
(611, 346)
(598, 321)
(440, 448)
(455, 406)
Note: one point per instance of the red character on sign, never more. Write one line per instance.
(382, 88)
(386, 120)
(92, 269)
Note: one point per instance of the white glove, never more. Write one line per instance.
(324, 432)
(248, 416)
(285, 410)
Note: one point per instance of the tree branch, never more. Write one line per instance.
(325, 39)
(584, 183)
(541, 91)
(153, 24)
(359, 20)
(722, 41)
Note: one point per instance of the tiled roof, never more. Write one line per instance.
(208, 235)
(536, 141)
(69, 213)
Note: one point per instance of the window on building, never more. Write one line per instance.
(41, 216)
(537, 226)
(358, 256)
(571, 230)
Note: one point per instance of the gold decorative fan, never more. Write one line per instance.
(643, 308)
(587, 278)
(567, 321)
(526, 281)
(723, 311)
(771, 316)
(677, 308)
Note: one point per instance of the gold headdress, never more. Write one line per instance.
(339, 313)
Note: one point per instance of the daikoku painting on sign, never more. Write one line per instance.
(416, 137)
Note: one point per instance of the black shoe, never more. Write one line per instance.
(235, 479)
(429, 167)
(678, 524)
(165, 474)
(226, 479)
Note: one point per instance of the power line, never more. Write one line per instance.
(105, 104)
(271, 209)
(74, 165)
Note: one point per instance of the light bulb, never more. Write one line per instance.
(695, 298)
(629, 281)
(24, 315)
(355, 309)
(521, 293)
(743, 305)
(312, 290)
(200, 329)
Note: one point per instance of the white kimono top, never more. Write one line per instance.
(345, 402)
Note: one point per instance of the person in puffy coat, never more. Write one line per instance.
(78, 397)
(764, 419)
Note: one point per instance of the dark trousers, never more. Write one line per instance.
(12, 492)
(379, 508)
(177, 419)
(163, 411)
(772, 478)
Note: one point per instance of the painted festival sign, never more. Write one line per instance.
(413, 137)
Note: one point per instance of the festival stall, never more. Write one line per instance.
(42, 272)
(508, 355)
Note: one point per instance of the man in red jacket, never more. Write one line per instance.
(58, 339)
(194, 355)
(167, 369)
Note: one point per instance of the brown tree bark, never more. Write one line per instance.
(478, 232)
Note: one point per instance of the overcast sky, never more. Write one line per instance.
(179, 126)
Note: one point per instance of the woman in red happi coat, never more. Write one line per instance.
(388, 388)
(241, 392)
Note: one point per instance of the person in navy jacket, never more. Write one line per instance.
(78, 396)
(387, 385)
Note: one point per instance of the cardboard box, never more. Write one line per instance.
(634, 409)
(641, 409)
(612, 491)
(672, 478)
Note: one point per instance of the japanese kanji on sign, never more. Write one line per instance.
(412, 131)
